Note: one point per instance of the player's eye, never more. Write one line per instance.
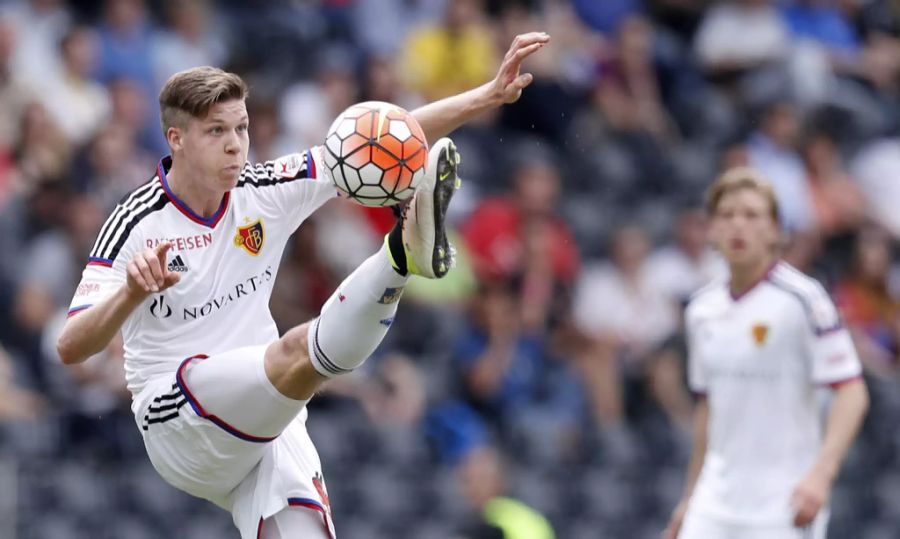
(242, 128)
(217, 130)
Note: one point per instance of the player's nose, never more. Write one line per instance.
(233, 144)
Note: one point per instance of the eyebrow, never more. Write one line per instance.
(244, 118)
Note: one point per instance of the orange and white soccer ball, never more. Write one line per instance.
(376, 153)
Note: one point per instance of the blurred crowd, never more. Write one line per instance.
(548, 368)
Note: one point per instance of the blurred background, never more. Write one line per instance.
(549, 366)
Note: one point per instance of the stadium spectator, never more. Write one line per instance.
(837, 204)
(77, 104)
(680, 268)
(17, 403)
(498, 516)
(41, 24)
(876, 167)
(495, 231)
(625, 315)
(189, 39)
(738, 36)
(455, 55)
(870, 310)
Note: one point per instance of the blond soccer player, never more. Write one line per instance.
(761, 344)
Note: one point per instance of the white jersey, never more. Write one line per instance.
(759, 359)
(228, 262)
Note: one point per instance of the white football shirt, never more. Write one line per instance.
(228, 262)
(759, 359)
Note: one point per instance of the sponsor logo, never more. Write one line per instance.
(177, 264)
(759, 332)
(159, 309)
(341, 297)
(387, 321)
(87, 288)
(250, 236)
(391, 295)
(230, 296)
(288, 167)
(184, 243)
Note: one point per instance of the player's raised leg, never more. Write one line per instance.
(292, 522)
(356, 318)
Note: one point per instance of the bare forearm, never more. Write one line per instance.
(90, 331)
(440, 118)
(851, 402)
(698, 453)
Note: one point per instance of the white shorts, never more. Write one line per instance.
(218, 429)
(701, 526)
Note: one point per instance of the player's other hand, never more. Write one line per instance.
(509, 83)
(147, 272)
(809, 496)
(675, 521)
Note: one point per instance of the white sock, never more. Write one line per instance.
(356, 317)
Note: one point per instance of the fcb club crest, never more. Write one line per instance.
(251, 237)
(760, 332)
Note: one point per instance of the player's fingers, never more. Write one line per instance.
(157, 269)
(525, 51)
(521, 81)
(161, 250)
(144, 269)
(171, 279)
(135, 273)
(525, 40)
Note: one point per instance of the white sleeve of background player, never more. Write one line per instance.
(296, 184)
(698, 381)
(832, 353)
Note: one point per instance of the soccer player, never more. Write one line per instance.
(761, 344)
(184, 267)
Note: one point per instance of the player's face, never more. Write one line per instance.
(743, 228)
(216, 146)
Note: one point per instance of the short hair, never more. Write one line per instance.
(736, 179)
(192, 92)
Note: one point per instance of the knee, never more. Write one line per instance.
(289, 351)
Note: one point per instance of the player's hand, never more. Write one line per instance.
(675, 521)
(808, 497)
(147, 272)
(509, 83)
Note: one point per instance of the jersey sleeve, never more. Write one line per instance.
(102, 276)
(294, 185)
(832, 354)
(698, 381)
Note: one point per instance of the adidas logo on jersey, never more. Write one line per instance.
(177, 264)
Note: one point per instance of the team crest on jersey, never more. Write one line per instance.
(251, 237)
(760, 333)
(288, 167)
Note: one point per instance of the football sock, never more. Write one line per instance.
(395, 244)
(356, 317)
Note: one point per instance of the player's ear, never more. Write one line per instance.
(174, 138)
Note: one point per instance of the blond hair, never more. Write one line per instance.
(739, 178)
(192, 92)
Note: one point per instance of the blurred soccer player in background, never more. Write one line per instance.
(760, 346)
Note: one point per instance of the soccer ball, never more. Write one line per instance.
(376, 153)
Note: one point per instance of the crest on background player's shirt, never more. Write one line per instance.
(760, 331)
(288, 166)
(251, 237)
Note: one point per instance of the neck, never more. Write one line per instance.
(745, 276)
(203, 202)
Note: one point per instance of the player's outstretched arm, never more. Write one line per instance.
(441, 117)
(698, 453)
(848, 409)
(91, 330)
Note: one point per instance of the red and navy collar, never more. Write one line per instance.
(165, 164)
